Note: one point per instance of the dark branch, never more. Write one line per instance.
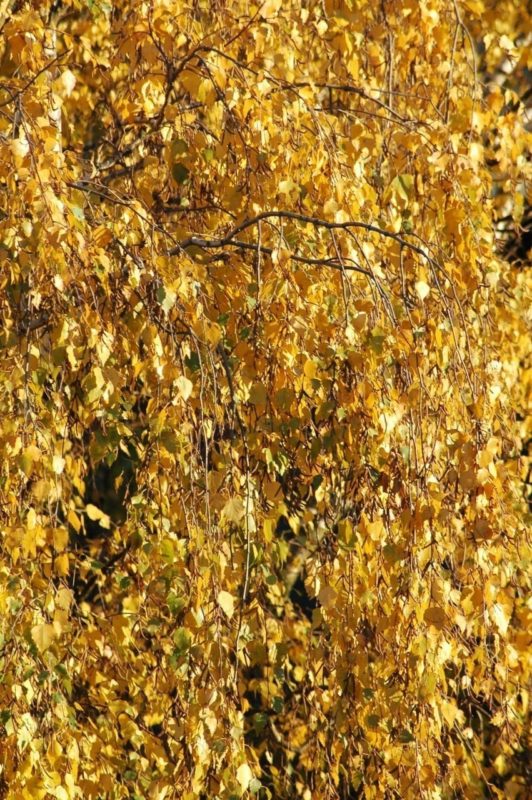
(229, 239)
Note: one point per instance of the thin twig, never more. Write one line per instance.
(19, 92)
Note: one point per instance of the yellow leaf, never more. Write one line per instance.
(227, 603)
(269, 529)
(43, 636)
(375, 530)
(68, 81)
(63, 598)
(74, 520)
(327, 597)
(29, 543)
(280, 255)
(233, 511)
(346, 534)
(212, 333)
(20, 148)
(258, 394)
(287, 187)
(61, 565)
(310, 369)
(58, 464)
(449, 711)
(501, 614)
(434, 616)
(427, 688)
(27, 459)
(184, 387)
(96, 515)
(422, 289)
(60, 537)
(244, 776)
(506, 43)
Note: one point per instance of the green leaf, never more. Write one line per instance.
(392, 553)
(167, 550)
(277, 704)
(169, 440)
(192, 362)
(260, 720)
(78, 212)
(182, 641)
(179, 146)
(376, 340)
(175, 603)
(180, 172)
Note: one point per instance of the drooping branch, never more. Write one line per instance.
(14, 95)
(55, 116)
(333, 263)
(229, 239)
(284, 85)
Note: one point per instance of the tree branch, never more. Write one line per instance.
(229, 239)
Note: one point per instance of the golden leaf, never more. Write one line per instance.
(434, 616)
(233, 510)
(422, 290)
(58, 464)
(227, 603)
(184, 387)
(43, 635)
(244, 776)
(96, 515)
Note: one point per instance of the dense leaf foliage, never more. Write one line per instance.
(264, 399)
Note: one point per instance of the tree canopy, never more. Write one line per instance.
(264, 382)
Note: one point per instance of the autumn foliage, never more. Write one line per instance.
(263, 399)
